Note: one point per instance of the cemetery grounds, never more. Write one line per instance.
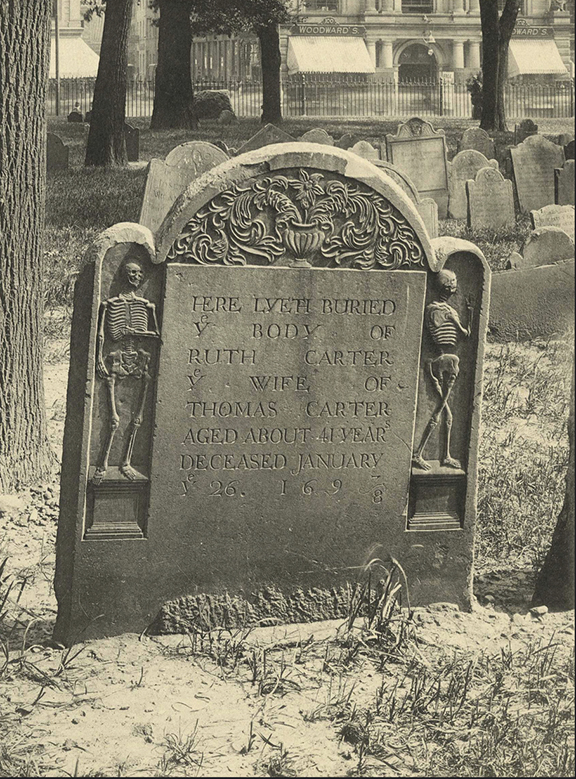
(398, 692)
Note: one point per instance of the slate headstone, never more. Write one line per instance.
(57, 154)
(420, 151)
(569, 150)
(564, 184)
(545, 246)
(346, 141)
(167, 179)
(132, 135)
(365, 150)
(269, 134)
(227, 117)
(401, 178)
(75, 117)
(288, 378)
(317, 135)
(426, 206)
(490, 200)
(478, 139)
(463, 168)
(533, 162)
(523, 130)
(554, 216)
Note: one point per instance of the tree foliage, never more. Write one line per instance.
(496, 33)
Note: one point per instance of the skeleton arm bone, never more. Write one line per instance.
(101, 369)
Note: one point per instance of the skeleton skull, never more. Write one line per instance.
(134, 273)
(447, 282)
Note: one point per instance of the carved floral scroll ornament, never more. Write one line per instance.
(256, 222)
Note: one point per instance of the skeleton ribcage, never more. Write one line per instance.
(126, 313)
(443, 329)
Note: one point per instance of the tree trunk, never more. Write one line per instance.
(173, 94)
(270, 59)
(555, 582)
(106, 142)
(496, 34)
(25, 455)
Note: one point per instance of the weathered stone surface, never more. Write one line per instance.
(428, 210)
(366, 150)
(420, 151)
(476, 138)
(284, 377)
(227, 117)
(401, 178)
(132, 142)
(57, 153)
(564, 139)
(532, 302)
(463, 168)
(523, 130)
(346, 141)
(267, 135)
(554, 216)
(546, 245)
(167, 179)
(490, 200)
(569, 150)
(533, 162)
(317, 135)
(564, 184)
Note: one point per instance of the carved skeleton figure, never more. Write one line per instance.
(444, 326)
(124, 320)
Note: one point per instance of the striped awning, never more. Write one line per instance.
(327, 54)
(76, 58)
(534, 56)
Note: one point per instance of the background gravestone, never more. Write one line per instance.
(490, 200)
(476, 138)
(274, 400)
(564, 184)
(533, 163)
(420, 151)
(569, 150)
(428, 210)
(463, 168)
(132, 135)
(346, 141)
(365, 150)
(524, 130)
(167, 179)
(543, 247)
(264, 137)
(427, 206)
(554, 216)
(57, 153)
(317, 135)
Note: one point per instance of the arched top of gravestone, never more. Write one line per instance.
(469, 160)
(317, 135)
(296, 203)
(346, 141)
(539, 142)
(120, 233)
(569, 150)
(561, 216)
(446, 246)
(547, 245)
(397, 175)
(416, 128)
(268, 135)
(463, 168)
(477, 138)
(366, 150)
(199, 155)
(489, 176)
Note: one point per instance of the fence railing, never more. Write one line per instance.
(323, 96)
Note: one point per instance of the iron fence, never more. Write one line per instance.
(322, 96)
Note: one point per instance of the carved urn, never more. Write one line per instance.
(303, 240)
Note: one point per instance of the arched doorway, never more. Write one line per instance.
(417, 62)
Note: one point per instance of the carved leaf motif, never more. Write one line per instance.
(254, 222)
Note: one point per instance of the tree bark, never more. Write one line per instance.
(555, 582)
(496, 34)
(270, 58)
(106, 142)
(25, 455)
(173, 94)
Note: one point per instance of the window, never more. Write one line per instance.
(502, 3)
(321, 5)
(417, 6)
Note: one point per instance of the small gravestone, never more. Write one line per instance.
(75, 116)
(366, 150)
(564, 139)
(346, 141)
(267, 135)
(490, 200)
(555, 216)
(534, 161)
(523, 130)
(132, 135)
(478, 139)
(227, 117)
(463, 168)
(265, 394)
(420, 151)
(564, 184)
(569, 150)
(428, 210)
(167, 179)
(57, 154)
(545, 246)
(317, 135)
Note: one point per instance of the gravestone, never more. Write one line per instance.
(564, 139)
(132, 135)
(428, 209)
(420, 151)
(400, 178)
(564, 184)
(267, 135)
(463, 168)
(75, 116)
(476, 138)
(57, 154)
(543, 246)
(366, 150)
(317, 135)
(227, 117)
(346, 141)
(490, 200)
(524, 130)
(427, 206)
(569, 150)
(265, 397)
(167, 179)
(555, 216)
(533, 163)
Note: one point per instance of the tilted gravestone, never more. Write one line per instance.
(267, 135)
(346, 141)
(569, 150)
(543, 246)
(524, 130)
(57, 154)
(317, 135)
(167, 179)
(427, 206)
(420, 151)
(564, 184)
(555, 216)
(366, 150)
(490, 200)
(265, 399)
(132, 135)
(476, 138)
(533, 162)
(463, 168)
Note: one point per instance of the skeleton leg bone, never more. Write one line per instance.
(126, 467)
(114, 423)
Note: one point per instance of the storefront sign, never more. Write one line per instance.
(328, 26)
(525, 30)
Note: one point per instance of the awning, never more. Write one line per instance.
(531, 56)
(327, 54)
(76, 60)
